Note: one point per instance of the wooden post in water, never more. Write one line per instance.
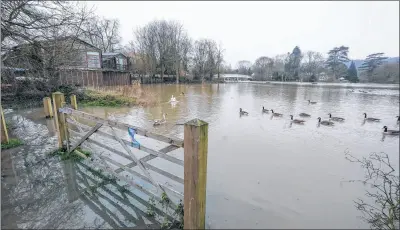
(48, 109)
(4, 132)
(73, 102)
(195, 173)
(58, 100)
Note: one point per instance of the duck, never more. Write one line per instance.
(304, 115)
(370, 118)
(160, 121)
(312, 102)
(264, 110)
(276, 114)
(297, 121)
(328, 123)
(173, 99)
(335, 118)
(182, 94)
(390, 132)
(242, 112)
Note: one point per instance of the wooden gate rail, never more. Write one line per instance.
(123, 126)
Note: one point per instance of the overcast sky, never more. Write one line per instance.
(248, 30)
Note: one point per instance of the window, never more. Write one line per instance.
(93, 59)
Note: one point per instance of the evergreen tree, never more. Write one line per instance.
(337, 56)
(352, 74)
(372, 62)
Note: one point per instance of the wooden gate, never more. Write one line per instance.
(128, 160)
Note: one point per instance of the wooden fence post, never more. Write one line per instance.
(4, 132)
(73, 102)
(48, 109)
(58, 100)
(195, 173)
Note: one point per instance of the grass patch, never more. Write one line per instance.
(109, 99)
(12, 143)
(64, 155)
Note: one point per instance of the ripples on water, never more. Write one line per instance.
(264, 172)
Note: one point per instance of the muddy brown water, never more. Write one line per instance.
(263, 171)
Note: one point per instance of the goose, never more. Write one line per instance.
(304, 115)
(297, 121)
(328, 123)
(276, 114)
(242, 112)
(160, 121)
(312, 102)
(335, 118)
(390, 132)
(264, 110)
(370, 118)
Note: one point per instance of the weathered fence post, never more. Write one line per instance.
(195, 173)
(73, 102)
(48, 109)
(4, 132)
(58, 99)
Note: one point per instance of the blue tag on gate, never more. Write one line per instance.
(132, 135)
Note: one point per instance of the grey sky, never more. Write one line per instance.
(248, 30)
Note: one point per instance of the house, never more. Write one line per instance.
(115, 61)
(61, 53)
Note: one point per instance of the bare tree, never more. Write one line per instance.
(263, 67)
(312, 63)
(103, 33)
(200, 57)
(243, 67)
(383, 211)
(219, 58)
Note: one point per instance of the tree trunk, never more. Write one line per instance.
(162, 72)
(177, 72)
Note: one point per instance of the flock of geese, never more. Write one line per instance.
(324, 122)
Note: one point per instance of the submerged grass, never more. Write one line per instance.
(12, 143)
(119, 96)
(104, 98)
(64, 155)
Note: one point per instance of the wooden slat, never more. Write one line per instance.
(86, 136)
(151, 194)
(145, 164)
(178, 194)
(123, 126)
(143, 148)
(134, 158)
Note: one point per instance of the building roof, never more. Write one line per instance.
(235, 76)
(112, 54)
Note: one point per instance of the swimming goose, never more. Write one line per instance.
(242, 112)
(276, 114)
(160, 121)
(312, 102)
(173, 99)
(328, 123)
(304, 115)
(297, 121)
(335, 118)
(371, 118)
(264, 110)
(390, 132)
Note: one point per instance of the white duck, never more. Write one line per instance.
(173, 99)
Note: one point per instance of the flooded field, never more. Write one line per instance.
(263, 171)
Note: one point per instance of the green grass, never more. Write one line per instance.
(98, 98)
(64, 155)
(12, 143)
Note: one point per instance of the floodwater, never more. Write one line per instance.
(263, 171)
